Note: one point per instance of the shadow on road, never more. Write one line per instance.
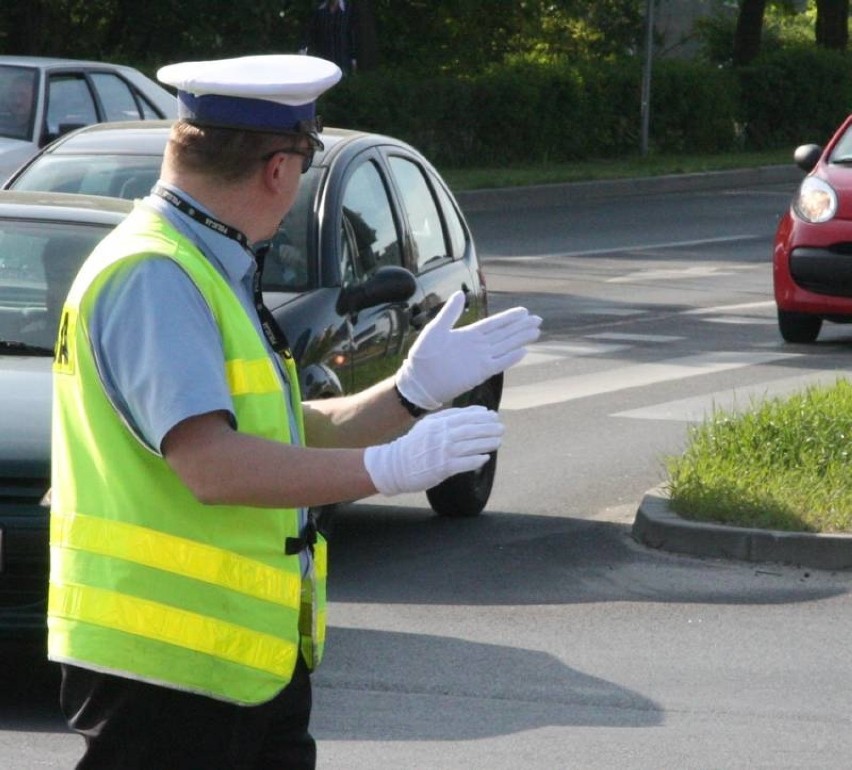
(29, 693)
(439, 688)
(382, 554)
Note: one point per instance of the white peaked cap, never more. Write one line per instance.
(275, 92)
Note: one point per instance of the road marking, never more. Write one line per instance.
(619, 249)
(634, 337)
(729, 308)
(699, 271)
(564, 389)
(698, 408)
(543, 353)
(742, 320)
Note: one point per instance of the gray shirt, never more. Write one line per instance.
(155, 341)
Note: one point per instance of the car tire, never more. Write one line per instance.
(798, 327)
(466, 494)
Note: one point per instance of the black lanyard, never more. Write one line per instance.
(274, 333)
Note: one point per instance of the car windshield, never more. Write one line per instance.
(17, 101)
(288, 265)
(38, 261)
(842, 152)
(116, 176)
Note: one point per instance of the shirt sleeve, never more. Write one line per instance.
(158, 349)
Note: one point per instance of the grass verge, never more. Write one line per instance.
(619, 168)
(786, 464)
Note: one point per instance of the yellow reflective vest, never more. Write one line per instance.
(145, 581)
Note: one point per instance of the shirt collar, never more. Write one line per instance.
(232, 259)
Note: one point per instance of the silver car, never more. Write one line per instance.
(42, 98)
(43, 240)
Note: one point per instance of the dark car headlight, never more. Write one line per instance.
(816, 201)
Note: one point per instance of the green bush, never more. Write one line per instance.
(538, 113)
(795, 95)
(693, 107)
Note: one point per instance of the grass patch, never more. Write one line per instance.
(785, 465)
(620, 168)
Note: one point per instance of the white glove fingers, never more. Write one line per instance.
(478, 436)
(521, 333)
(449, 314)
(508, 360)
(505, 318)
(515, 337)
(445, 362)
(468, 463)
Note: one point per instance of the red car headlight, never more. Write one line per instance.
(816, 201)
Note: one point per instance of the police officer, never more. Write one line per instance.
(187, 587)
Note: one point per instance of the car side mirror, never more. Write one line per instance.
(388, 284)
(806, 156)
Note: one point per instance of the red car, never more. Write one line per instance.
(812, 256)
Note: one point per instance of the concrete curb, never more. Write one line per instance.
(540, 196)
(657, 526)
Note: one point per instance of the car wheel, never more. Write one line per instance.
(798, 327)
(466, 494)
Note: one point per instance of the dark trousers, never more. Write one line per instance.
(133, 725)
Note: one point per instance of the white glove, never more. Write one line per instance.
(444, 362)
(437, 447)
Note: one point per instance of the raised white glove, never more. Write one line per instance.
(437, 447)
(444, 362)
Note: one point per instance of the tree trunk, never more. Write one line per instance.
(749, 29)
(832, 24)
(367, 38)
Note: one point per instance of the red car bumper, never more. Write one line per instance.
(812, 267)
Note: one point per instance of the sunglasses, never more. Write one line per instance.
(306, 153)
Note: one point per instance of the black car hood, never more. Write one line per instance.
(25, 409)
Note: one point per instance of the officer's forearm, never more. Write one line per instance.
(221, 466)
(364, 418)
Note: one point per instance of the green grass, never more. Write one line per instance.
(785, 464)
(620, 168)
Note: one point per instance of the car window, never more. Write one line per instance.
(369, 232)
(116, 97)
(38, 261)
(69, 103)
(116, 176)
(422, 212)
(455, 228)
(18, 88)
(288, 266)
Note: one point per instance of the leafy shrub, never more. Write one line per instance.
(534, 112)
(794, 95)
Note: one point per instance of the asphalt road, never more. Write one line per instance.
(541, 635)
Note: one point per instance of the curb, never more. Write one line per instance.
(657, 526)
(540, 196)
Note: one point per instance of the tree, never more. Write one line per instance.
(832, 24)
(748, 31)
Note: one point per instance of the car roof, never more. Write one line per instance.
(53, 62)
(140, 137)
(91, 209)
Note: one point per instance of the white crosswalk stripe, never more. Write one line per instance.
(562, 389)
(627, 337)
(698, 408)
(544, 352)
